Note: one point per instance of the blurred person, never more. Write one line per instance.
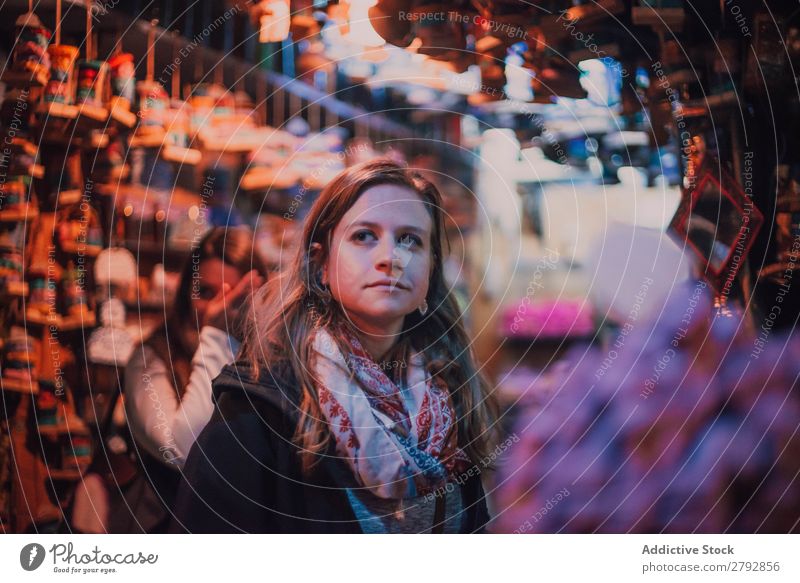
(168, 379)
(355, 404)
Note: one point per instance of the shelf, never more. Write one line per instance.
(69, 475)
(225, 146)
(92, 114)
(188, 156)
(704, 107)
(61, 323)
(32, 170)
(99, 141)
(112, 175)
(669, 18)
(24, 146)
(19, 385)
(36, 318)
(775, 270)
(787, 203)
(682, 76)
(268, 179)
(122, 115)
(23, 79)
(26, 212)
(82, 249)
(66, 197)
(55, 431)
(77, 322)
(15, 289)
(57, 110)
(153, 139)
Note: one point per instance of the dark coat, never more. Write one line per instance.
(243, 473)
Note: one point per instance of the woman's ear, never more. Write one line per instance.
(315, 254)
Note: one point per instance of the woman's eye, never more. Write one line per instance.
(408, 240)
(362, 236)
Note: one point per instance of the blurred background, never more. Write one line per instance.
(596, 159)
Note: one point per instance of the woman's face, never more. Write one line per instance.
(379, 264)
(207, 282)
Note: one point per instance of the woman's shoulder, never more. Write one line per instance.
(240, 389)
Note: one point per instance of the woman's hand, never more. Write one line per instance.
(223, 310)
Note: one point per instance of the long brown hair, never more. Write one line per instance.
(177, 338)
(286, 311)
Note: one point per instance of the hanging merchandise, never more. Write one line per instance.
(215, 123)
(176, 146)
(787, 220)
(151, 170)
(63, 181)
(30, 62)
(153, 105)
(5, 477)
(273, 19)
(16, 202)
(718, 221)
(40, 307)
(557, 78)
(176, 142)
(666, 14)
(111, 344)
(19, 368)
(388, 20)
(493, 81)
(76, 453)
(91, 81)
(47, 405)
(725, 69)
(79, 231)
(20, 158)
(66, 441)
(153, 102)
(268, 166)
(12, 282)
(439, 35)
(59, 88)
(74, 297)
(91, 90)
(16, 115)
(218, 182)
(123, 81)
(767, 62)
(115, 275)
(107, 163)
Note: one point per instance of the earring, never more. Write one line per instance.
(423, 308)
(326, 298)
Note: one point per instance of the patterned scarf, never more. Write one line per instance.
(399, 444)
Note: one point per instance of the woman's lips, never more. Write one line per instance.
(387, 286)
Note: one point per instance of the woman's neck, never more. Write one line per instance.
(376, 346)
(378, 341)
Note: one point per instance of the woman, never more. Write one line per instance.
(355, 405)
(168, 380)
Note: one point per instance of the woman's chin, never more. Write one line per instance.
(381, 317)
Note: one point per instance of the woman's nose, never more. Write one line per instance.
(393, 257)
(388, 259)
